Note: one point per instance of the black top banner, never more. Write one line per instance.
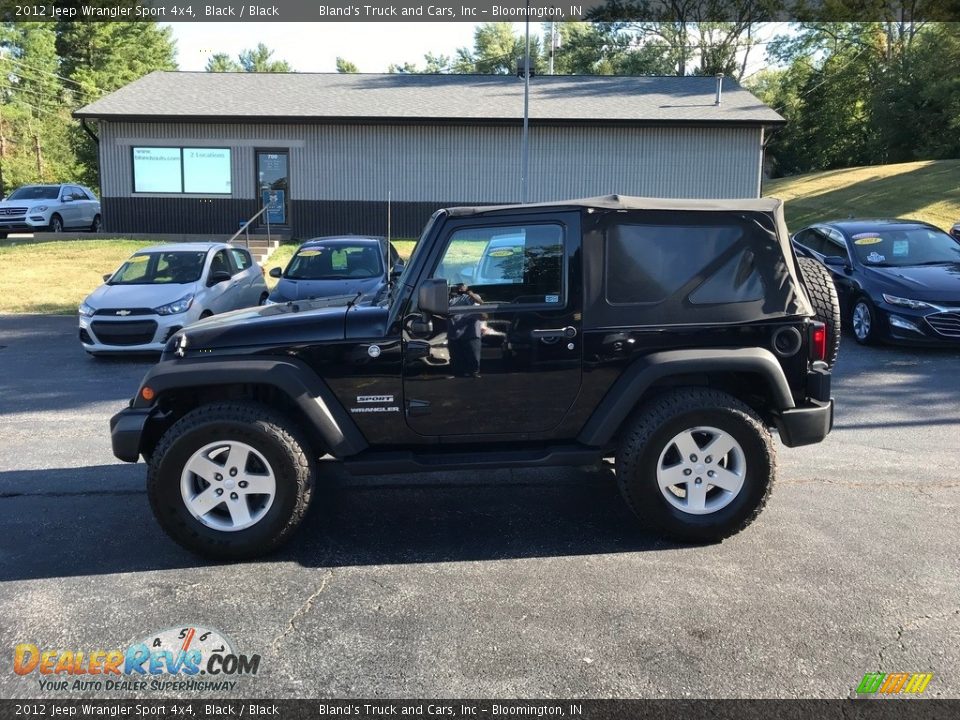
(690, 11)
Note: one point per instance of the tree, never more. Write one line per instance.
(498, 50)
(255, 60)
(221, 62)
(405, 69)
(345, 66)
(35, 123)
(258, 60)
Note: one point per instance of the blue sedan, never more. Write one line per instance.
(345, 266)
(897, 280)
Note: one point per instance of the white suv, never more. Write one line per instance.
(34, 208)
(164, 288)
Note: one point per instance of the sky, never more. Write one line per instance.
(314, 47)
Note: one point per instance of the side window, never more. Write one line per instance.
(646, 264)
(77, 193)
(241, 259)
(220, 263)
(507, 264)
(834, 244)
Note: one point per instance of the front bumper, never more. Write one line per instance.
(28, 224)
(126, 432)
(101, 335)
(806, 424)
(920, 327)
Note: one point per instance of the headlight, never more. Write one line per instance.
(177, 306)
(908, 303)
(40, 208)
(86, 310)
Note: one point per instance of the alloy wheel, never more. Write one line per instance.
(862, 321)
(228, 485)
(701, 470)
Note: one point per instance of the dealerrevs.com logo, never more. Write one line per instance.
(175, 659)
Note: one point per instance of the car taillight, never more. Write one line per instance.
(818, 341)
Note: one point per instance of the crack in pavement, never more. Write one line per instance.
(300, 612)
(903, 627)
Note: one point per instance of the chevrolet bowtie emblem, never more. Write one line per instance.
(123, 312)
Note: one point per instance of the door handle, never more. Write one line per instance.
(565, 332)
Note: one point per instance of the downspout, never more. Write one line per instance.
(764, 141)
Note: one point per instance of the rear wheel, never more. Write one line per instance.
(95, 225)
(696, 465)
(826, 304)
(231, 480)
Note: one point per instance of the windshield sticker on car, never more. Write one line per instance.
(552, 298)
(875, 257)
(866, 239)
(901, 248)
(308, 253)
(503, 252)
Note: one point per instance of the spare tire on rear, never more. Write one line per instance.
(826, 305)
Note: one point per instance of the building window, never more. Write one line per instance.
(181, 170)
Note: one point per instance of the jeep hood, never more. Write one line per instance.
(307, 321)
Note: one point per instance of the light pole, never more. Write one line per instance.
(524, 143)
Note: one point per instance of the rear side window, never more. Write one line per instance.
(649, 263)
(241, 259)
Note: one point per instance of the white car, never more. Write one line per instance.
(164, 288)
(35, 208)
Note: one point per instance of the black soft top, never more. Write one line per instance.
(628, 202)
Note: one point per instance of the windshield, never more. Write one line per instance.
(336, 262)
(160, 268)
(35, 192)
(900, 247)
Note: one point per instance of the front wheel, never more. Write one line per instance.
(696, 465)
(231, 480)
(863, 321)
(56, 224)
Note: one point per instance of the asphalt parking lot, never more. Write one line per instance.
(511, 584)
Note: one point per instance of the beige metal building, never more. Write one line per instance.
(201, 152)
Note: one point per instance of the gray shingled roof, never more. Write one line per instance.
(332, 96)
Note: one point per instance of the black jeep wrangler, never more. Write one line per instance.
(671, 335)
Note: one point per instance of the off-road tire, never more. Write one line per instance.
(826, 304)
(259, 426)
(654, 425)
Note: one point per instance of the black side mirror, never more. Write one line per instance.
(420, 325)
(218, 277)
(434, 296)
(276, 273)
(106, 278)
(835, 261)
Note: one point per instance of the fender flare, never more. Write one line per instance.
(292, 377)
(626, 392)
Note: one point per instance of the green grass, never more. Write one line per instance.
(927, 190)
(54, 277)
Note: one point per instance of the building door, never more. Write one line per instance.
(273, 184)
